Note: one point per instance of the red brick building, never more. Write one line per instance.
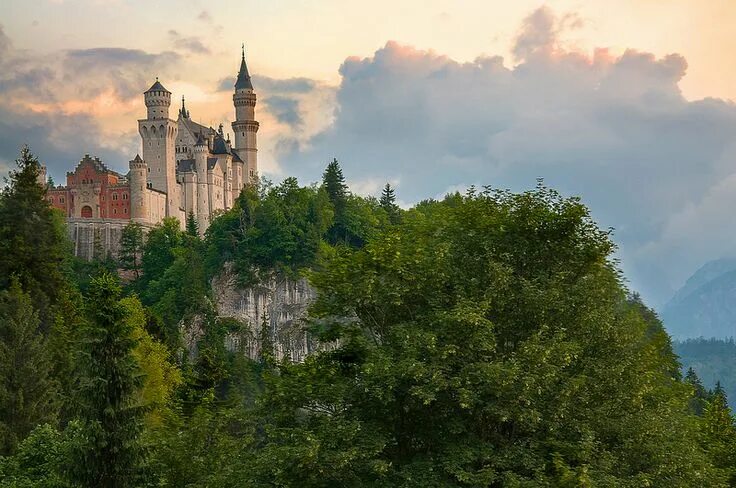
(92, 191)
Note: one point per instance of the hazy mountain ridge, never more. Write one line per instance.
(706, 305)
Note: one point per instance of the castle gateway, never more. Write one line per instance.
(185, 168)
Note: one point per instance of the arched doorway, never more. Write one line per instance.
(87, 212)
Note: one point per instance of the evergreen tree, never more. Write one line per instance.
(27, 394)
(333, 182)
(108, 386)
(388, 203)
(131, 247)
(33, 241)
(719, 433)
(701, 396)
(192, 225)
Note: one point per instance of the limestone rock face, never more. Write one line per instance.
(280, 300)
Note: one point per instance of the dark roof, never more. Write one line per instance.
(211, 162)
(157, 87)
(236, 158)
(220, 146)
(186, 166)
(243, 81)
(200, 140)
(197, 129)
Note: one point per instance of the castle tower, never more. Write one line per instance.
(138, 182)
(245, 126)
(158, 133)
(202, 198)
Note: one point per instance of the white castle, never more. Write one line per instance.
(186, 168)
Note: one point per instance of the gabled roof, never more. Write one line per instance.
(196, 129)
(97, 164)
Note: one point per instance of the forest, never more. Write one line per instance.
(483, 340)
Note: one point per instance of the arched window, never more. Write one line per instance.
(87, 212)
(125, 196)
(114, 196)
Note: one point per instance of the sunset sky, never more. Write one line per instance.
(627, 104)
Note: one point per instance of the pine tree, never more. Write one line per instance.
(700, 396)
(719, 433)
(337, 191)
(108, 385)
(388, 203)
(27, 394)
(33, 241)
(334, 182)
(131, 247)
(192, 225)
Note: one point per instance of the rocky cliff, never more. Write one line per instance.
(281, 301)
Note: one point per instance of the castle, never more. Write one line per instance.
(186, 168)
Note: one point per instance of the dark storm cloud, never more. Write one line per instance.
(614, 129)
(285, 109)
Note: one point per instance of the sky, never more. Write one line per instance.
(627, 104)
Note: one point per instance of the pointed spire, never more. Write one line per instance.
(183, 111)
(243, 82)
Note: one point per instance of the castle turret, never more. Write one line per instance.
(159, 137)
(138, 181)
(42, 176)
(245, 126)
(203, 203)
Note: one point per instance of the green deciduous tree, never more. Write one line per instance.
(492, 344)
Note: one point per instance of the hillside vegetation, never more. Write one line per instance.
(484, 340)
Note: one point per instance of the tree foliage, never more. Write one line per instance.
(27, 391)
(108, 393)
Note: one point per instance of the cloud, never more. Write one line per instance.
(285, 109)
(63, 104)
(191, 44)
(126, 70)
(613, 128)
(205, 16)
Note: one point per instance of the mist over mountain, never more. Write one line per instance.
(706, 305)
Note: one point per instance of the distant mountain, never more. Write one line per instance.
(713, 360)
(706, 305)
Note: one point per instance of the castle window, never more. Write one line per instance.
(61, 200)
(114, 196)
(51, 200)
(115, 211)
(87, 212)
(125, 196)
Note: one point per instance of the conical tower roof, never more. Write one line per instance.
(157, 87)
(243, 82)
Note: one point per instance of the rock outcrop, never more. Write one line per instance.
(278, 303)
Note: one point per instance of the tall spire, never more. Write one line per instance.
(183, 111)
(243, 82)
